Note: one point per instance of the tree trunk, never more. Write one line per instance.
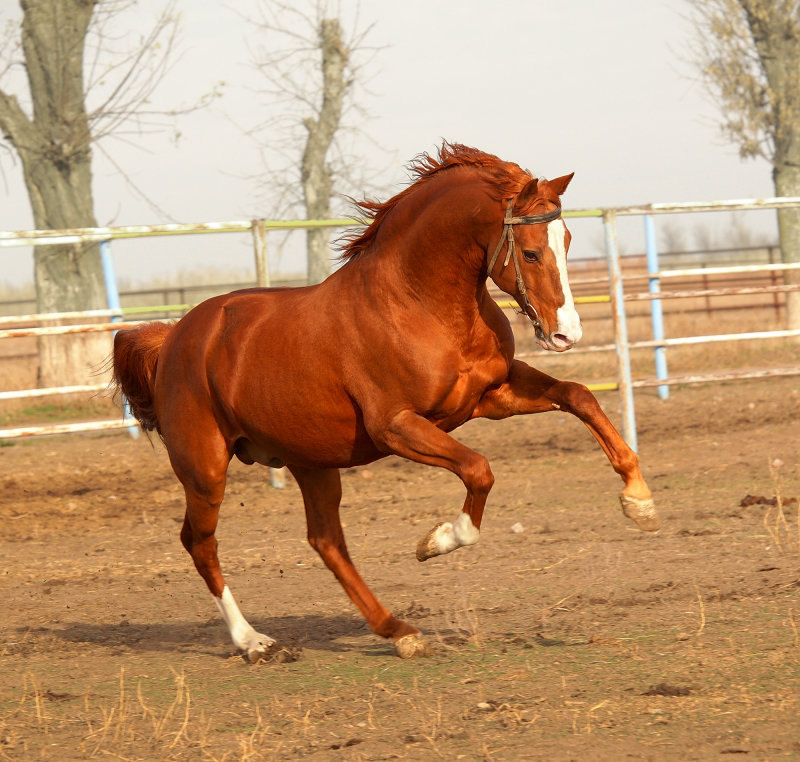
(69, 278)
(315, 173)
(787, 183)
(54, 149)
(776, 36)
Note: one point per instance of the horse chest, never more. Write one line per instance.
(471, 384)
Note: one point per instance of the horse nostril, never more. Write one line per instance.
(559, 339)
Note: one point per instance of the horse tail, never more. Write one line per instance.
(135, 360)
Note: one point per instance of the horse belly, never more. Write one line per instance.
(311, 435)
(328, 453)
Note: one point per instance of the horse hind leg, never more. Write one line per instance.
(322, 493)
(204, 485)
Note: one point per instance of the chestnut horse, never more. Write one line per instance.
(398, 347)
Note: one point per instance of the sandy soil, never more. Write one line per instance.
(577, 637)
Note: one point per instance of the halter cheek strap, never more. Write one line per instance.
(511, 252)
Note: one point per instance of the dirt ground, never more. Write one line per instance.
(574, 637)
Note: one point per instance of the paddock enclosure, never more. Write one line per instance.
(563, 634)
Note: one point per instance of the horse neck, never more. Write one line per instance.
(435, 251)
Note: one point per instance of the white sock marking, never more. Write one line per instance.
(461, 532)
(242, 633)
(569, 323)
(464, 530)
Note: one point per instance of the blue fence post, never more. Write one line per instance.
(624, 377)
(112, 295)
(656, 312)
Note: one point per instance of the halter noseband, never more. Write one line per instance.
(508, 235)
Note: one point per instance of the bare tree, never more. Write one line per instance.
(314, 74)
(748, 55)
(85, 84)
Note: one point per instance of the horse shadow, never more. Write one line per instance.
(339, 633)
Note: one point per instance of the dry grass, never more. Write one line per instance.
(133, 727)
(784, 537)
(128, 727)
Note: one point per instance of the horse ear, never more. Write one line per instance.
(559, 185)
(528, 193)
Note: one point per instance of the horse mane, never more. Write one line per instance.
(506, 179)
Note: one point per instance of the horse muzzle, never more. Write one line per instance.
(555, 342)
(568, 332)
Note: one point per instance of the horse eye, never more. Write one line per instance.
(531, 255)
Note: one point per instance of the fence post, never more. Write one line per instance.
(620, 330)
(656, 312)
(260, 251)
(773, 277)
(112, 296)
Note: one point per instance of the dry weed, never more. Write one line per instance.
(783, 537)
(134, 727)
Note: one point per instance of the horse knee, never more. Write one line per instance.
(477, 475)
(325, 545)
(574, 397)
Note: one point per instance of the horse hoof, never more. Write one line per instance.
(642, 512)
(255, 655)
(262, 649)
(428, 546)
(410, 646)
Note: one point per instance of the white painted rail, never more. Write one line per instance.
(258, 228)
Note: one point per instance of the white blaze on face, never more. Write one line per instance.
(569, 324)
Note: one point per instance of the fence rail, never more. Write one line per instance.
(634, 270)
(615, 281)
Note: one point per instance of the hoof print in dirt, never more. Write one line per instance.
(665, 689)
(749, 500)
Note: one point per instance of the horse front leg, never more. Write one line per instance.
(528, 390)
(322, 493)
(412, 436)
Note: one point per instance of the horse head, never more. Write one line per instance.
(533, 268)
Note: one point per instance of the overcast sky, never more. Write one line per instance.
(598, 88)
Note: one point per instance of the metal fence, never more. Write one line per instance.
(588, 276)
(659, 342)
(125, 317)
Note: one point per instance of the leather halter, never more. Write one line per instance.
(511, 252)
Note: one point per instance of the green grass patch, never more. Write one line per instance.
(59, 412)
